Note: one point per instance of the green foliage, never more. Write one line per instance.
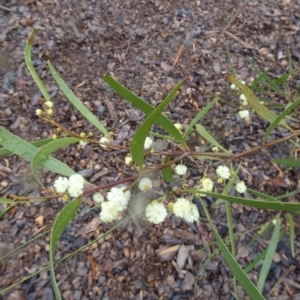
(43, 153)
(269, 256)
(27, 151)
(235, 268)
(60, 223)
(39, 154)
(146, 108)
(138, 140)
(259, 108)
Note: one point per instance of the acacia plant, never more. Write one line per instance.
(113, 198)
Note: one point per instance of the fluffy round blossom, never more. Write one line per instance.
(119, 198)
(75, 190)
(241, 187)
(76, 179)
(145, 185)
(244, 113)
(180, 169)
(156, 212)
(223, 172)
(181, 207)
(104, 139)
(98, 197)
(207, 184)
(192, 214)
(61, 184)
(76, 184)
(148, 143)
(109, 212)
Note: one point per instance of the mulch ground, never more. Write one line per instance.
(137, 42)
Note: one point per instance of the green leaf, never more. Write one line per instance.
(269, 256)
(263, 196)
(289, 162)
(137, 144)
(257, 259)
(60, 223)
(39, 143)
(208, 137)
(259, 108)
(282, 79)
(31, 68)
(292, 233)
(280, 206)
(235, 268)
(43, 153)
(7, 209)
(281, 117)
(6, 200)
(167, 171)
(199, 116)
(17, 146)
(146, 108)
(77, 103)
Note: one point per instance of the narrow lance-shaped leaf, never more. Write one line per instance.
(43, 153)
(38, 143)
(146, 108)
(60, 223)
(31, 68)
(235, 268)
(289, 162)
(137, 144)
(260, 109)
(281, 117)
(208, 137)
(269, 256)
(17, 146)
(292, 233)
(280, 206)
(199, 116)
(77, 103)
(167, 171)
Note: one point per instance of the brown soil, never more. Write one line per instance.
(137, 43)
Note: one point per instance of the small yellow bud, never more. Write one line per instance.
(197, 195)
(54, 137)
(90, 134)
(219, 180)
(82, 134)
(175, 189)
(65, 197)
(111, 133)
(170, 207)
(49, 104)
(185, 186)
(152, 151)
(49, 112)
